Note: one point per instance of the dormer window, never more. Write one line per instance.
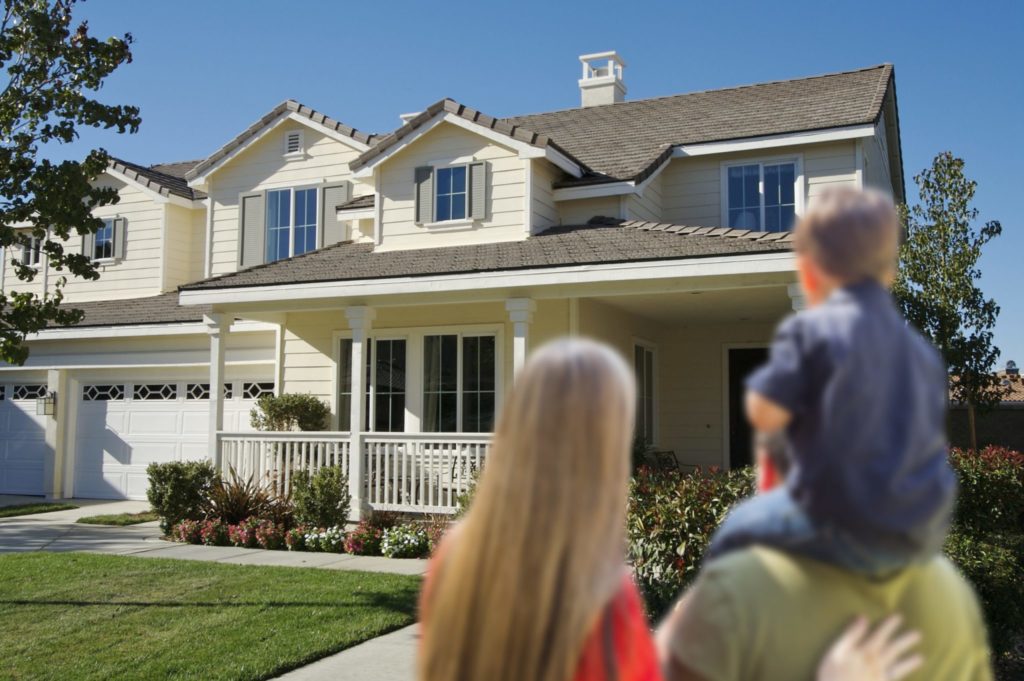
(30, 254)
(761, 196)
(451, 194)
(291, 222)
(103, 246)
(293, 143)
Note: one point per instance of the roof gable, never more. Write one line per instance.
(286, 110)
(164, 179)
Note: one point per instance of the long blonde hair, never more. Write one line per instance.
(541, 552)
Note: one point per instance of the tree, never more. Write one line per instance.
(51, 68)
(936, 286)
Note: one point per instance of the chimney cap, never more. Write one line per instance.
(610, 54)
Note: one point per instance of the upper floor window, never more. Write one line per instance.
(291, 222)
(451, 194)
(30, 255)
(103, 245)
(761, 196)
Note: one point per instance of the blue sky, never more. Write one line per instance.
(203, 71)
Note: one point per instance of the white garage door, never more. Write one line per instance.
(123, 427)
(22, 439)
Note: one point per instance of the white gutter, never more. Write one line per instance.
(143, 330)
(766, 263)
(772, 141)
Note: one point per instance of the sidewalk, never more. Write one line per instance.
(58, 531)
(391, 657)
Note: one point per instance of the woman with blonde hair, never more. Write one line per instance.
(532, 585)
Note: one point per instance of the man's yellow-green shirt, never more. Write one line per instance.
(764, 615)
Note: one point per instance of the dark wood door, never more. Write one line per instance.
(742, 361)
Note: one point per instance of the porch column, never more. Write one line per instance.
(217, 327)
(360, 320)
(796, 297)
(520, 313)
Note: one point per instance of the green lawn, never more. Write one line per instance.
(120, 518)
(83, 616)
(29, 509)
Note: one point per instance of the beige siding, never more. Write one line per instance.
(649, 205)
(876, 161)
(580, 211)
(692, 192)
(183, 253)
(263, 166)
(544, 213)
(446, 144)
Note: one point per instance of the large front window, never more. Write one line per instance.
(451, 194)
(762, 196)
(291, 222)
(384, 400)
(458, 383)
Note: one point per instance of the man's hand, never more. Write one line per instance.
(765, 415)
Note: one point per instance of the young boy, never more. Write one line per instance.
(862, 400)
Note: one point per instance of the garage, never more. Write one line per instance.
(123, 427)
(23, 450)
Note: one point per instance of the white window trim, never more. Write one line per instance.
(413, 337)
(799, 191)
(655, 402)
(301, 151)
(291, 218)
(38, 249)
(112, 260)
(455, 223)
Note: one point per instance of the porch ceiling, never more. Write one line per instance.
(756, 304)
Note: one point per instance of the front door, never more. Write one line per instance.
(742, 361)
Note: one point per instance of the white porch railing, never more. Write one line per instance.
(422, 473)
(271, 458)
(406, 472)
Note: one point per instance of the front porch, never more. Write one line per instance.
(437, 366)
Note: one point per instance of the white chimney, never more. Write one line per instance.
(602, 79)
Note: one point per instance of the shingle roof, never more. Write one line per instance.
(359, 202)
(164, 178)
(512, 130)
(623, 141)
(603, 241)
(159, 309)
(289, 105)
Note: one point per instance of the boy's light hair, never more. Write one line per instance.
(852, 234)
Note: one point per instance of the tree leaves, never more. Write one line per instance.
(52, 69)
(936, 286)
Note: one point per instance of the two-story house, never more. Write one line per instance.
(432, 259)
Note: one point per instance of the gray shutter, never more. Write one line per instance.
(89, 245)
(119, 238)
(478, 190)
(332, 230)
(424, 194)
(252, 227)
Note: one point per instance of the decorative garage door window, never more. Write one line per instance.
(156, 391)
(29, 391)
(197, 391)
(103, 392)
(252, 391)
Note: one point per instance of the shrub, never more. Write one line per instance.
(321, 499)
(290, 411)
(269, 535)
(187, 532)
(329, 540)
(214, 533)
(295, 538)
(364, 540)
(177, 489)
(243, 535)
(409, 540)
(232, 501)
(436, 526)
(991, 496)
(672, 516)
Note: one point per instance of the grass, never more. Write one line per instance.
(120, 519)
(84, 616)
(30, 509)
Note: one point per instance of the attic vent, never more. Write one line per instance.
(293, 143)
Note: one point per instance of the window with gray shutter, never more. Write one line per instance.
(424, 194)
(332, 229)
(119, 238)
(478, 190)
(252, 230)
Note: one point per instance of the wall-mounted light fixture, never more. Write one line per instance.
(47, 405)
